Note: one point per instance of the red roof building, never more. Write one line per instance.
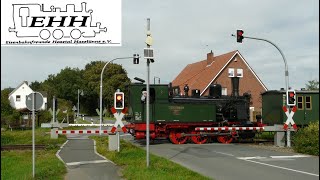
(219, 69)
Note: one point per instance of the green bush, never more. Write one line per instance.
(306, 140)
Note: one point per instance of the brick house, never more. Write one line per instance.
(219, 69)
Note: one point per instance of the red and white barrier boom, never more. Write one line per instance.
(289, 119)
(80, 131)
(118, 117)
(228, 128)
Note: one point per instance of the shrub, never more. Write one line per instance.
(306, 140)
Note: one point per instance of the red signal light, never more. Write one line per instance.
(119, 97)
(119, 100)
(239, 36)
(291, 98)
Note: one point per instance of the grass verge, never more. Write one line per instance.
(17, 164)
(132, 159)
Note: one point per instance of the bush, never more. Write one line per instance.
(306, 140)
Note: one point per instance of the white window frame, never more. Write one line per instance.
(224, 91)
(239, 72)
(231, 72)
(18, 99)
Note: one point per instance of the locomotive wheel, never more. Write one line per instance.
(225, 139)
(176, 138)
(198, 139)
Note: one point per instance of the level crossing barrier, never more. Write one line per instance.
(228, 128)
(108, 125)
(81, 131)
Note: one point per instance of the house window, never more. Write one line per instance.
(300, 102)
(231, 72)
(308, 103)
(18, 98)
(224, 91)
(239, 72)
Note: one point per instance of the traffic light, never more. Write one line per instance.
(239, 36)
(291, 98)
(135, 58)
(119, 100)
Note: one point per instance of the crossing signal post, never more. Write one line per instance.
(291, 98)
(239, 36)
(119, 100)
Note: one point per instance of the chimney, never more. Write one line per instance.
(209, 58)
(235, 86)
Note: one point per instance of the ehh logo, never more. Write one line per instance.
(31, 20)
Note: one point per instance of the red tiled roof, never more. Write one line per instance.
(198, 75)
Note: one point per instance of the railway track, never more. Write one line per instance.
(22, 147)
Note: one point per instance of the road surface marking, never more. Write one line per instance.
(282, 167)
(274, 157)
(255, 157)
(223, 153)
(294, 156)
(57, 154)
(86, 162)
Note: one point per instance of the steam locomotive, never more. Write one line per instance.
(177, 117)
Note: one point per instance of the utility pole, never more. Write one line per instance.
(149, 43)
(54, 109)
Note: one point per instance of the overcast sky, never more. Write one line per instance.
(183, 32)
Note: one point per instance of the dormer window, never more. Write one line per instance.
(18, 98)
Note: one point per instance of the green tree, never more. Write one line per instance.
(312, 85)
(8, 114)
(64, 85)
(36, 86)
(114, 77)
(65, 107)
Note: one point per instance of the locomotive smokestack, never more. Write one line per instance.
(235, 86)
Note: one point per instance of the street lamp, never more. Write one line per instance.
(79, 93)
(154, 80)
(101, 85)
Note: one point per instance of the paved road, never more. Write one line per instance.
(234, 161)
(83, 163)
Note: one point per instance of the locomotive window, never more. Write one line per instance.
(176, 90)
(300, 102)
(152, 95)
(308, 103)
